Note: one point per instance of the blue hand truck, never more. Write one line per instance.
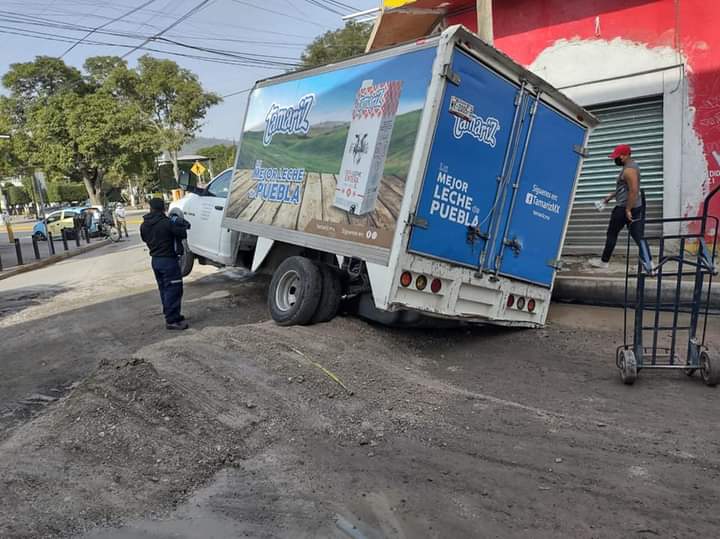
(663, 316)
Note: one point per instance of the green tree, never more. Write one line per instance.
(32, 83)
(66, 192)
(15, 194)
(84, 137)
(337, 45)
(175, 101)
(222, 156)
(106, 71)
(8, 156)
(77, 127)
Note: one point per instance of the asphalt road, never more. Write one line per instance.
(23, 232)
(233, 429)
(103, 304)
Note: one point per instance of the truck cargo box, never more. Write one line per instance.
(440, 158)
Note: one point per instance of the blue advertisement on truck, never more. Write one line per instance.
(329, 154)
(498, 185)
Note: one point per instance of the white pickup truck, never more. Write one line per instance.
(208, 241)
(431, 179)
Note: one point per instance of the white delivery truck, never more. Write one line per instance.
(434, 178)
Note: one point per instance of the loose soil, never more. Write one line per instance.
(478, 432)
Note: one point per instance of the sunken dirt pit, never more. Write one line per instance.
(349, 430)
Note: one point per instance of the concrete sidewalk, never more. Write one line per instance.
(581, 283)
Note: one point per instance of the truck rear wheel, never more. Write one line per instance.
(330, 295)
(295, 291)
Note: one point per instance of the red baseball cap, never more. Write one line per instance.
(620, 149)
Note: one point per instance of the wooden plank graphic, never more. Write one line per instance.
(317, 207)
(312, 203)
(242, 183)
(330, 212)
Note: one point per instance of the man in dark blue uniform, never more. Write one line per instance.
(162, 235)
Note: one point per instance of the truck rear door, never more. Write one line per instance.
(499, 178)
(532, 228)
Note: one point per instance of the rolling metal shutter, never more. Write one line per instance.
(638, 123)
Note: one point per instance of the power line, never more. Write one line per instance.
(276, 59)
(120, 17)
(227, 61)
(236, 93)
(316, 3)
(178, 21)
(256, 58)
(279, 13)
(342, 5)
(50, 23)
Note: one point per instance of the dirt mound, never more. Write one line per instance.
(350, 426)
(138, 435)
(125, 440)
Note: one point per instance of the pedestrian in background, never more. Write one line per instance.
(88, 221)
(629, 209)
(161, 234)
(120, 220)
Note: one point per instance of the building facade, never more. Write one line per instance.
(649, 69)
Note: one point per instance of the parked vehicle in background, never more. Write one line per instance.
(54, 222)
(108, 231)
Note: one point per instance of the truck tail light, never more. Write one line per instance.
(510, 301)
(521, 303)
(421, 282)
(435, 285)
(406, 279)
(531, 305)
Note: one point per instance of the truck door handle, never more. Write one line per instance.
(221, 208)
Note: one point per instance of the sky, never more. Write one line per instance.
(269, 35)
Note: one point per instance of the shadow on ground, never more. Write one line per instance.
(45, 356)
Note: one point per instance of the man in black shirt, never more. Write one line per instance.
(628, 211)
(162, 234)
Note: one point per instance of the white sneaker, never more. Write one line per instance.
(598, 263)
(648, 268)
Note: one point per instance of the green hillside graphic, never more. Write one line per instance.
(323, 151)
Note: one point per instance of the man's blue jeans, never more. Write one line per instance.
(169, 281)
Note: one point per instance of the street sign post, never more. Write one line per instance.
(198, 169)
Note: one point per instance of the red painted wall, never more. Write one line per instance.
(524, 28)
(465, 14)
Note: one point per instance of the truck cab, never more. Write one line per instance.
(208, 241)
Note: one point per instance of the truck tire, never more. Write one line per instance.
(295, 291)
(330, 295)
(186, 260)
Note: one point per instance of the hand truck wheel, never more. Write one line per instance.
(709, 369)
(690, 370)
(628, 367)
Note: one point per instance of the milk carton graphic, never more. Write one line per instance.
(373, 118)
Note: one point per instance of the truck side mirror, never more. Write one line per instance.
(184, 179)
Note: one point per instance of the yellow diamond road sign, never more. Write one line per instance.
(198, 169)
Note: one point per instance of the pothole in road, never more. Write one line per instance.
(16, 300)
